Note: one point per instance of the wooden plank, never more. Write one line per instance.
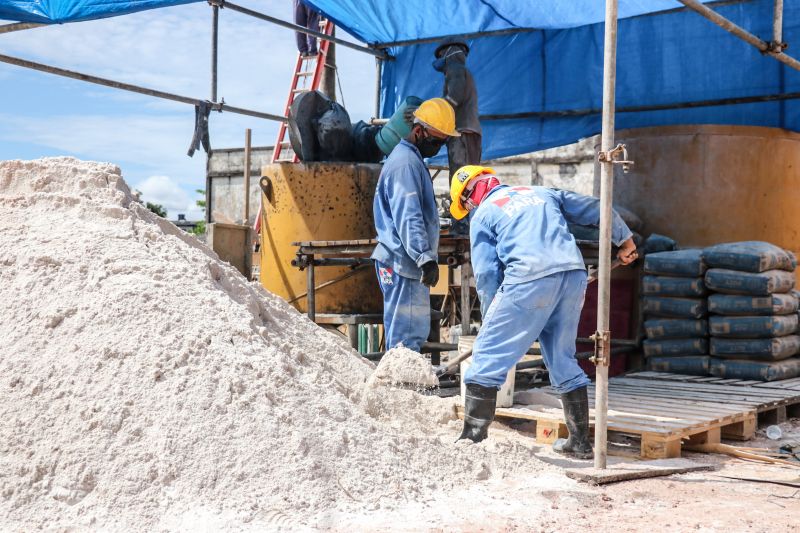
(772, 416)
(743, 430)
(637, 470)
(793, 383)
(699, 398)
(548, 432)
(656, 448)
(682, 388)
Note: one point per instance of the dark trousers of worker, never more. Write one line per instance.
(308, 18)
(547, 309)
(463, 150)
(406, 309)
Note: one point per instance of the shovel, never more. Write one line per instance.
(453, 365)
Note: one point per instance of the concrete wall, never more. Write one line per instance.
(226, 170)
(704, 185)
(569, 167)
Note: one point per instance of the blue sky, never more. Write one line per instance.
(166, 49)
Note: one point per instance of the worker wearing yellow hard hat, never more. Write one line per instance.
(531, 279)
(407, 223)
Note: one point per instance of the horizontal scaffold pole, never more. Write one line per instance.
(643, 108)
(216, 106)
(19, 26)
(261, 16)
(763, 46)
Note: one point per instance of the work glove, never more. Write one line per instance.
(430, 274)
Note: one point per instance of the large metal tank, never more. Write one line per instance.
(703, 185)
(318, 202)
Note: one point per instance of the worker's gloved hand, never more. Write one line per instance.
(430, 274)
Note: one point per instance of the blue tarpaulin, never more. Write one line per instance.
(59, 11)
(665, 56)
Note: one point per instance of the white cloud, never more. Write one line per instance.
(164, 191)
(166, 49)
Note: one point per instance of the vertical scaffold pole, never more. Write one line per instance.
(606, 195)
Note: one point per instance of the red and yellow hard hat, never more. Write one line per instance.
(458, 185)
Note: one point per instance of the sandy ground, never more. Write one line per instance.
(550, 502)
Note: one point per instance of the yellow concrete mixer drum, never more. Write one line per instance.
(318, 202)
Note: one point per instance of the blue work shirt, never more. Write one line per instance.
(520, 234)
(405, 213)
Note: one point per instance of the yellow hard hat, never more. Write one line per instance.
(438, 114)
(463, 176)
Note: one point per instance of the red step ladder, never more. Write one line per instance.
(307, 77)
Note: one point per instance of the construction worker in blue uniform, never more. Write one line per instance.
(407, 221)
(531, 280)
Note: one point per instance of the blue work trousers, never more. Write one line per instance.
(406, 309)
(547, 309)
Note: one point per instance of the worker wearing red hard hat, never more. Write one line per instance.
(531, 280)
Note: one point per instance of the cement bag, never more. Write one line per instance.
(774, 304)
(752, 327)
(675, 328)
(630, 218)
(673, 347)
(694, 365)
(765, 371)
(673, 286)
(756, 349)
(684, 263)
(749, 256)
(757, 284)
(658, 243)
(674, 307)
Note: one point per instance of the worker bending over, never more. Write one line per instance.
(407, 222)
(531, 280)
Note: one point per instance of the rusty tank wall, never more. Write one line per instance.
(703, 185)
(314, 202)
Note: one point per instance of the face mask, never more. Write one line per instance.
(429, 146)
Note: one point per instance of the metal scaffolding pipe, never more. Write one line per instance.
(135, 88)
(603, 337)
(247, 144)
(643, 108)
(214, 51)
(378, 65)
(464, 36)
(319, 35)
(777, 24)
(19, 26)
(763, 46)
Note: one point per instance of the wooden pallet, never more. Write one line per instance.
(785, 384)
(664, 414)
(772, 413)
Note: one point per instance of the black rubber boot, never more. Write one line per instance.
(479, 404)
(576, 412)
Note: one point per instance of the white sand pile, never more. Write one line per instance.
(146, 385)
(401, 366)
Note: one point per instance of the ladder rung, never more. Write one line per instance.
(295, 91)
(309, 73)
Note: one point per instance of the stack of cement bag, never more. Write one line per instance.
(754, 311)
(674, 307)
